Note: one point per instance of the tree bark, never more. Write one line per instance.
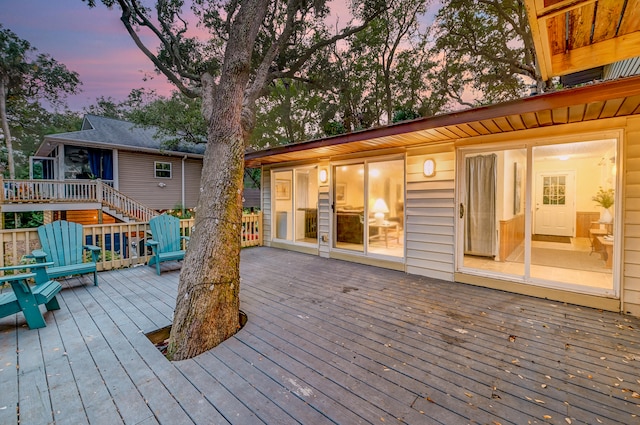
(5, 129)
(207, 305)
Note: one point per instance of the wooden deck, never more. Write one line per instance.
(326, 342)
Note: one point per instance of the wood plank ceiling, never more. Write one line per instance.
(574, 35)
(610, 99)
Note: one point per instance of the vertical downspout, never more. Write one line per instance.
(183, 184)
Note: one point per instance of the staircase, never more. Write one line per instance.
(34, 192)
(122, 207)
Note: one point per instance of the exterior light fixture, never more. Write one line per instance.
(324, 175)
(429, 167)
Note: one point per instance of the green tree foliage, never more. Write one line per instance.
(290, 112)
(485, 51)
(357, 84)
(250, 45)
(28, 78)
(29, 124)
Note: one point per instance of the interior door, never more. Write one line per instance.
(555, 203)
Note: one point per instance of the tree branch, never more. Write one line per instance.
(126, 19)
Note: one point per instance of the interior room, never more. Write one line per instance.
(572, 193)
(375, 190)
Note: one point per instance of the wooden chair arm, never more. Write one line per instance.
(14, 277)
(40, 272)
(26, 266)
(38, 254)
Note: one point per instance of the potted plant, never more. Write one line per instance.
(605, 198)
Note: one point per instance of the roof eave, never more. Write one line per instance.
(563, 98)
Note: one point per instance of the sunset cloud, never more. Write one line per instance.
(89, 41)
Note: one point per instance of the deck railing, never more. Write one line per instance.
(49, 191)
(123, 244)
(96, 191)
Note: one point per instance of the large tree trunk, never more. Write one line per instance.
(207, 308)
(208, 304)
(5, 129)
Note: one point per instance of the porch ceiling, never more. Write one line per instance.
(603, 100)
(574, 35)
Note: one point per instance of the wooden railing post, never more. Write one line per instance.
(99, 191)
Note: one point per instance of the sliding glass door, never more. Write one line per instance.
(295, 200)
(528, 214)
(368, 204)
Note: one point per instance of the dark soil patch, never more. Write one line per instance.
(160, 337)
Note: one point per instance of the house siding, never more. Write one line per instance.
(192, 173)
(266, 206)
(429, 213)
(631, 220)
(324, 215)
(137, 180)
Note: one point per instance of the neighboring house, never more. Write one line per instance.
(497, 196)
(127, 160)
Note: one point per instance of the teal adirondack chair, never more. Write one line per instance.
(166, 244)
(26, 298)
(62, 245)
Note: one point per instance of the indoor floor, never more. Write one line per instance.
(574, 263)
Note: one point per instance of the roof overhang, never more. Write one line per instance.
(610, 99)
(51, 142)
(574, 35)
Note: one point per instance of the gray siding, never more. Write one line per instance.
(324, 221)
(137, 180)
(192, 173)
(625, 68)
(430, 211)
(265, 186)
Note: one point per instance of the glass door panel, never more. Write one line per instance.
(349, 207)
(283, 217)
(493, 211)
(306, 202)
(386, 208)
(569, 240)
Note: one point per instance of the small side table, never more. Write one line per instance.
(607, 253)
(384, 229)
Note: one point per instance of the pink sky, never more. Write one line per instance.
(89, 41)
(92, 42)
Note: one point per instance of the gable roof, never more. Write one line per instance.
(609, 99)
(109, 133)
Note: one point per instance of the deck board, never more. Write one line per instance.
(8, 370)
(327, 342)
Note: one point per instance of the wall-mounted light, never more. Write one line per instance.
(161, 184)
(324, 175)
(429, 167)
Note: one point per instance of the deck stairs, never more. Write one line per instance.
(56, 194)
